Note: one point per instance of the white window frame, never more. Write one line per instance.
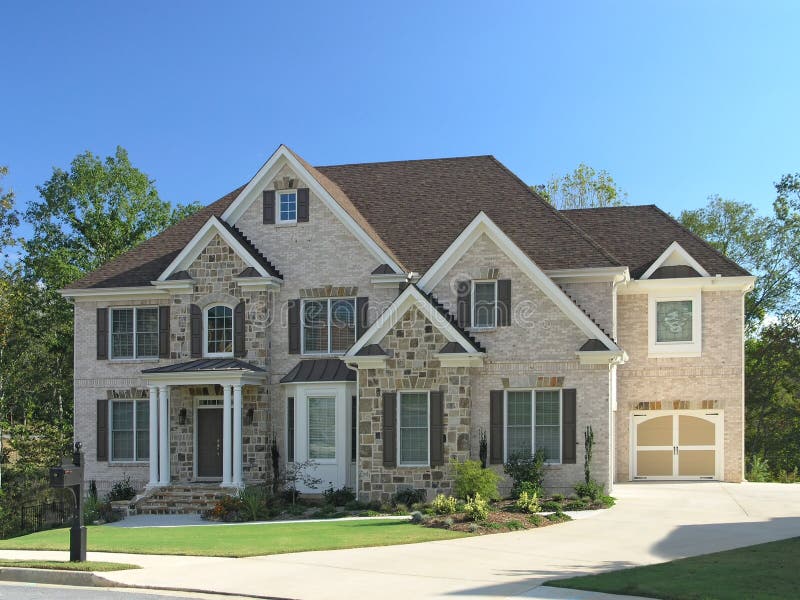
(312, 396)
(135, 309)
(692, 348)
(206, 353)
(111, 458)
(398, 421)
(532, 392)
(329, 351)
(278, 218)
(472, 307)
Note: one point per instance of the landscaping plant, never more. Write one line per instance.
(338, 497)
(528, 503)
(759, 469)
(253, 502)
(523, 468)
(483, 447)
(588, 444)
(408, 497)
(477, 508)
(471, 479)
(122, 490)
(301, 472)
(445, 505)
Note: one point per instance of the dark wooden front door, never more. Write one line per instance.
(209, 442)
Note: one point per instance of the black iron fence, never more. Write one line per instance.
(46, 516)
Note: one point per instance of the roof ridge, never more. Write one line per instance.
(413, 160)
(558, 214)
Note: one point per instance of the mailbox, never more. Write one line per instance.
(66, 476)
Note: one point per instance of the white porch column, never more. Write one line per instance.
(237, 435)
(226, 436)
(163, 437)
(153, 437)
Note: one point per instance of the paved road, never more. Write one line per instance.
(652, 522)
(22, 591)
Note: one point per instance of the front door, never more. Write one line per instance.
(209, 443)
(677, 445)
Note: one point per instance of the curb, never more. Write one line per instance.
(56, 577)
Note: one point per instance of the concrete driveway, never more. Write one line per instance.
(652, 522)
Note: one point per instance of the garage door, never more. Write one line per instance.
(677, 445)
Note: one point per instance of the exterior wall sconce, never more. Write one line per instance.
(248, 417)
(182, 417)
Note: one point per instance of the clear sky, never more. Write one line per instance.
(677, 100)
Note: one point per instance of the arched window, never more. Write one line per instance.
(219, 331)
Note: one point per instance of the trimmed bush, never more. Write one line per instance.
(409, 496)
(341, 497)
(525, 468)
(471, 479)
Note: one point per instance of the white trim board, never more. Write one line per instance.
(411, 296)
(683, 258)
(249, 195)
(481, 225)
(201, 239)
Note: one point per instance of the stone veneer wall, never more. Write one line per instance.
(713, 381)
(412, 343)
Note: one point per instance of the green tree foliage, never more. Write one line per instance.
(767, 246)
(583, 188)
(9, 218)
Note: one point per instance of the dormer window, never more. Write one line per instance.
(219, 331)
(287, 206)
(484, 304)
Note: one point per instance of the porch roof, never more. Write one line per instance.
(320, 369)
(207, 370)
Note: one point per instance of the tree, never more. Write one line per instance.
(9, 218)
(583, 188)
(92, 213)
(765, 245)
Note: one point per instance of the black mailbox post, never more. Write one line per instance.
(69, 475)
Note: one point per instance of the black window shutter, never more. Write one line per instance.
(389, 429)
(362, 305)
(290, 429)
(102, 430)
(294, 326)
(496, 427)
(463, 303)
(196, 330)
(302, 205)
(163, 332)
(503, 302)
(238, 331)
(568, 426)
(269, 207)
(353, 428)
(102, 334)
(437, 429)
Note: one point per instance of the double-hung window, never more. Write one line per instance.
(134, 332)
(533, 422)
(414, 439)
(484, 304)
(219, 330)
(329, 325)
(130, 430)
(287, 206)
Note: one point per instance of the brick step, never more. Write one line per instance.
(180, 499)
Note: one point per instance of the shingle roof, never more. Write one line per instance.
(418, 207)
(674, 271)
(319, 369)
(638, 235)
(207, 364)
(145, 262)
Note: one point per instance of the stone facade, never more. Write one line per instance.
(412, 343)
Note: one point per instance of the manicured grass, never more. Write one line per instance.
(66, 566)
(237, 540)
(762, 572)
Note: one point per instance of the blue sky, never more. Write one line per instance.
(677, 100)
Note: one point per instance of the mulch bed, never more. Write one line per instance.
(503, 517)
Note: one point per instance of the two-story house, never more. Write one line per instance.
(379, 319)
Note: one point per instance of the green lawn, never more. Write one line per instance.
(238, 540)
(762, 572)
(60, 565)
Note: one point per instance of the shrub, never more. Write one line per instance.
(340, 497)
(355, 505)
(253, 502)
(473, 528)
(91, 509)
(477, 508)
(514, 525)
(591, 490)
(471, 480)
(409, 496)
(445, 505)
(122, 490)
(759, 469)
(536, 520)
(528, 503)
(575, 505)
(417, 517)
(530, 488)
(551, 506)
(558, 497)
(400, 509)
(448, 522)
(523, 467)
(785, 476)
(228, 509)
